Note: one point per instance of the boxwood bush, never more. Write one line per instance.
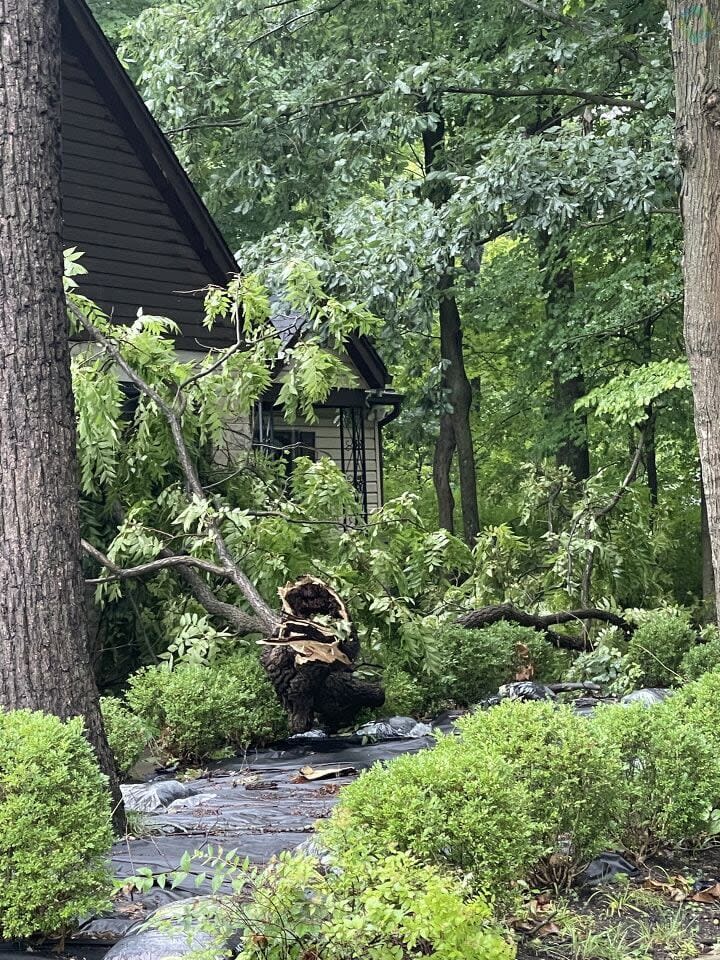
(526, 790)
(468, 666)
(698, 703)
(569, 773)
(474, 663)
(702, 657)
(55, 831)
(671, 775)
(447, 805)
(128, 735)
(197, 710)
(658, 646)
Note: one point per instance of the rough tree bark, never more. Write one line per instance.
(44, 656)
(708, 578)
(696, 56)
(455, 434)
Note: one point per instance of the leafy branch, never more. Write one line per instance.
(265, 618)
(496, 93)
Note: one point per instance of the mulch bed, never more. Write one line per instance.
(671, 911)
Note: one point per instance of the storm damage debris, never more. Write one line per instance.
(312, 657)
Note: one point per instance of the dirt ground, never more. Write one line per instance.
(670, 911)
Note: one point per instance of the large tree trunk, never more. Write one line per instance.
(696, 54)
(455, 379)
(44, 657)
(568, 381)
(459, 392)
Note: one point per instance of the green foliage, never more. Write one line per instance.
(197, 710)
(702, 657)
(453, 805)
(607, 665)
(54, 826)
(527, 789)
(569, 774)
(671, 775)
(658, 646)
(385, 908)
(392, 907)
(698, 703)
(628, 396)
(472, 664)
(127, 734)
(406, 693)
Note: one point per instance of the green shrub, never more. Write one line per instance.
(128, 735)
(702, 657)
(658, 646)
(197, 710)
(570, 775)
(472, 664)
(448, 805)
(698, 703)
(375, 908)
(671, 775)
(55, 830)
(406, 695)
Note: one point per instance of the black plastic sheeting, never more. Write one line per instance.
(250, 804)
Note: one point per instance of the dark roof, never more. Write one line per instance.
(116, 87)
(90, 50)
(290, 324)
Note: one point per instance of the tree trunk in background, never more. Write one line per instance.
(455, 429)
(649, 431)
(568, 382)
(442, 466)
(459, 391)
(44, 657)
(696, 55)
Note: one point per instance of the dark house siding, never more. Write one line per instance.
(136, 251)
(147, 237)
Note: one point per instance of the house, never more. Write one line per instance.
(149, 241)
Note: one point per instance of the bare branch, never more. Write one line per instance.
(627, 482)
(242, 622)
(585, 96)
(152, 566)
(287, 24)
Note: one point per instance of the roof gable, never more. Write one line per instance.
(127, 203)
(130, 207)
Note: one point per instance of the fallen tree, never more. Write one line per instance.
(543, 622)
(311, 644)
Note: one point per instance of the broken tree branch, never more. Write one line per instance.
(152, 566)
(494, 93)
(265, 616)
(542, 622)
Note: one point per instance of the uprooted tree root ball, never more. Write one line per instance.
(311, 658)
